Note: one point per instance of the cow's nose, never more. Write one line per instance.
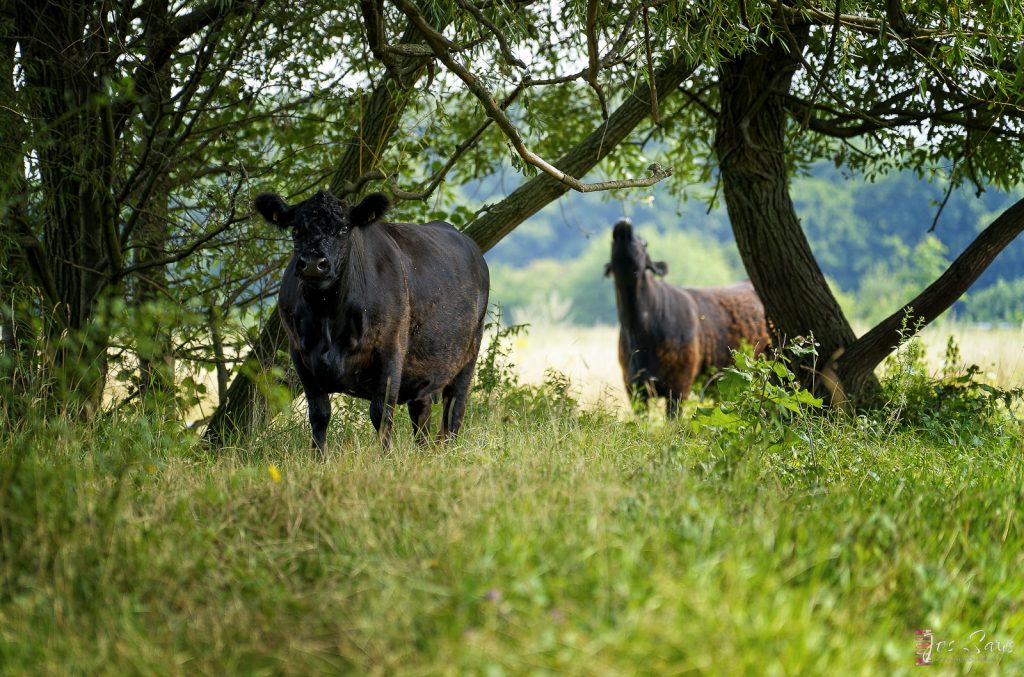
(312, 266)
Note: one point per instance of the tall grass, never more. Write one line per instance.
(550, 537)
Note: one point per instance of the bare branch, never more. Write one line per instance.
(701, 103)
(592, 58)
(942, 205)
(438, 44)
(489, 227)
(819, 17)
(655, 114)
(498, 35)
(460, 150)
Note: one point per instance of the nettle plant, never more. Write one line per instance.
(953, 405)
(762, 403)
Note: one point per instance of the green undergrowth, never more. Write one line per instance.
(549, 538)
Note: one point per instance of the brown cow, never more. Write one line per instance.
(670, 334)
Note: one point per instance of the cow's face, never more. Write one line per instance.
(629, 254)
(321, 228)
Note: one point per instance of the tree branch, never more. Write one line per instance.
(437, 43)
(501, 218)
(593, 62)
(871, 348)
(498, 35)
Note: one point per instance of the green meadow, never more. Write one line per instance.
(553, 537)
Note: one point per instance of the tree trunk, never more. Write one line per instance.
(156, 351)
(76, 170)
(750, 143)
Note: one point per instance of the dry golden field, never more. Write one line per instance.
(589, 356)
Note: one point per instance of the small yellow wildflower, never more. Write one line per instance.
(275, 474)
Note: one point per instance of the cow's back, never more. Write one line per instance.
(447, 284)
(729, 316)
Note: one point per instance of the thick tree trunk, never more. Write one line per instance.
(750, 143)
(76, 171)
(69, 64)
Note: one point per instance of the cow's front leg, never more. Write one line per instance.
(319, 418)
(319, 404)
(385, 398)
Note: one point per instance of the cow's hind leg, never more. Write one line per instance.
(454, 397)
(679, 392)
(419, 412)
(639, 391)
(383, 402)
(672, 402)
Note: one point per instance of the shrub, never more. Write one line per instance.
(762, 405)
(947, 406)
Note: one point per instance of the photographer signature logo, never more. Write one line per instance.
(977, 646)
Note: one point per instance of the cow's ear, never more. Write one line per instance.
(659, 268)
(373, 207)
(608, 269)
(273, 209)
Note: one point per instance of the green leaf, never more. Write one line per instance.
(733, 384)
(716, 418)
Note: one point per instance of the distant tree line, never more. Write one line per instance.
(873, 239)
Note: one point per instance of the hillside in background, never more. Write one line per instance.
(871, 239)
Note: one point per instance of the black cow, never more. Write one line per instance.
(669, 334)
(389, 312)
